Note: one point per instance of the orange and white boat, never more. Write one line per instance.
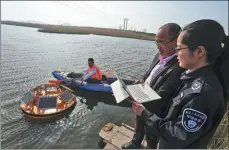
(48, 101)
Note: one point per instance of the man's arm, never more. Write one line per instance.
(89, 74)
(84, 74)
(167, 90)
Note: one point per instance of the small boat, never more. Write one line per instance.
(48, 101)
(73, 79)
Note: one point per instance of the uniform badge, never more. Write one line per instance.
(193, 120)
(196, 85)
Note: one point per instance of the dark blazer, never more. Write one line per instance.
(165, 84)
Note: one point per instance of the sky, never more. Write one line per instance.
(149, 15)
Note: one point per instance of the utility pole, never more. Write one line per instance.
(125, 23)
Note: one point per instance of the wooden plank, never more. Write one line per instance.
(110, 146)
(126, 131)
(128, 127)
(119, 139)
(129, 131)
(109, 135)
(118, 136)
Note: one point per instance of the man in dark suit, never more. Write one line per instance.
(164, 77)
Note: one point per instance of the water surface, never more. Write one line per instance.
(27, 59)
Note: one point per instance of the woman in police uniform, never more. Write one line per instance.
(199, 104)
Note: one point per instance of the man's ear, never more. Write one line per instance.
(174, 42)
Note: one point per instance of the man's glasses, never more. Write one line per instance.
(162, 43)
(178, 49)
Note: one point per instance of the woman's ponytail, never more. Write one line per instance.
(222, 67)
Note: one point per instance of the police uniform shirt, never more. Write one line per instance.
(194, 114)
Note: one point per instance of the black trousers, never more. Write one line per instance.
(90, 80)
(151, 140)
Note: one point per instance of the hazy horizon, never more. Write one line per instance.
(142, 15)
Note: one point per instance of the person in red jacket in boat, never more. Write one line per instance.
(93, 73)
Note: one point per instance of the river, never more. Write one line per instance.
(27, 59)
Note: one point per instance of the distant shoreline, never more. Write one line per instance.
(59, 29)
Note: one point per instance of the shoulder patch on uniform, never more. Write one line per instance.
(197, 84)
(193, 120)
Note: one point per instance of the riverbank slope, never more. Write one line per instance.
(60, 29)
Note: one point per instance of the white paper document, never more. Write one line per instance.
(139, 92)
(119, 93)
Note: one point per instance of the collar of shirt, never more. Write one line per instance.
(165, 60)
(199, 72)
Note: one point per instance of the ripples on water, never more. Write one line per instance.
(27, 59)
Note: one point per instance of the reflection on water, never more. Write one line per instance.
(91, 99)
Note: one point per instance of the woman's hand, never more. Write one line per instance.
(137, 108)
